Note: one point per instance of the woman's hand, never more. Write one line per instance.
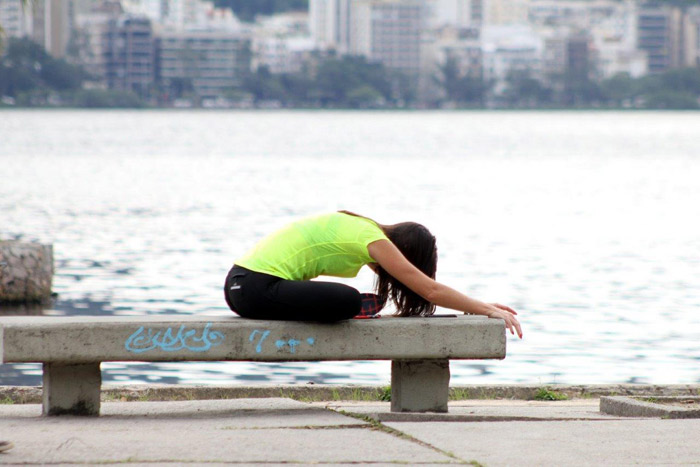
(392, 261)
(507, 314)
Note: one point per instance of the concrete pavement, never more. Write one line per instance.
(278, 431)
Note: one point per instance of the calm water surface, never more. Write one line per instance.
(586, 223)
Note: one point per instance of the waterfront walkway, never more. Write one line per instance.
(277, 431)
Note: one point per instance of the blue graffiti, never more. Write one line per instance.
(144, 340)
(263, 336)
(292, 343)
(280, 343)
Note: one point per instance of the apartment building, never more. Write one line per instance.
(385, 31)
(16, 21)
(389, 32)
(213, 62)
(130, 54)
(46, 22)
(669, 35)
(511, 48)
(455, 13)
(282, 42)
(330, 24)
(116, 49)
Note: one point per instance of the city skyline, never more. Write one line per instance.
(206, 52)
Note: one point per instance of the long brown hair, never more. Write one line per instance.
(419, 247)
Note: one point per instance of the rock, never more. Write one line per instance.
(26, 272)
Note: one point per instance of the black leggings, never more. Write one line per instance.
(262, 296)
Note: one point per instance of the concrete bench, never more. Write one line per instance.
(72, 348)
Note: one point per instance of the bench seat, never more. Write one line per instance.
(72, 348)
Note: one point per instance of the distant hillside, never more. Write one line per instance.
(247, 9)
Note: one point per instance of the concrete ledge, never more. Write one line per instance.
(651, 406)
(327, 392)
(72, 349)
(92, 339)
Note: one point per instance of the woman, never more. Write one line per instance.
(272, 281)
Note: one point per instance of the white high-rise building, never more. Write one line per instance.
(459, 13)
(329, 23)
(155, 10)
(47, 22)
(180, 15)
(615, 43)
(510, 48)
(282, 42)
(386, 31)
(695, 18)
(52, 25)
(15, 19)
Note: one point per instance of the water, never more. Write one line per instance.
(585, 222)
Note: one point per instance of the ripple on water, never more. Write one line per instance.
(584, 229)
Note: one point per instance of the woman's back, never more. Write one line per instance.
(332, 244)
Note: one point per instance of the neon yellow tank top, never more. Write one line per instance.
(330, 244)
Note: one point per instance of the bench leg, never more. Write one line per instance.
(420, 385)
(72, 389)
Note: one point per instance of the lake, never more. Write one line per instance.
(585, 222)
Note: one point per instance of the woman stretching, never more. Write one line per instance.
(272, 281)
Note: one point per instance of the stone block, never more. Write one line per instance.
(72, 389)
(26, 272)
(420, 385)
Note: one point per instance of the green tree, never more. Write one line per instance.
(97, 98)
(523, 90)
(683, 79)
(459, 88)
(177, 88)
(298, 88)
(26, 66)
(670, 99)
(364, 96)
(673, 89)
(265, 86)
(620, 89)
(339, 81)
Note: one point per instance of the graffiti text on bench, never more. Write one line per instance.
(168, 340)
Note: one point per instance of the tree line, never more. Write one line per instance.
(673, 89)
(31, 77)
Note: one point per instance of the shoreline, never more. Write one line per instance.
(357, 110)
(326, 392)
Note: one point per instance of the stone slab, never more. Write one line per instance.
(481, 411)
(652, 406)
(205, 432)
(229, 338)
(246, 413)
(565, 443)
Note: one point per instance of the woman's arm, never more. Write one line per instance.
(392, 261)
